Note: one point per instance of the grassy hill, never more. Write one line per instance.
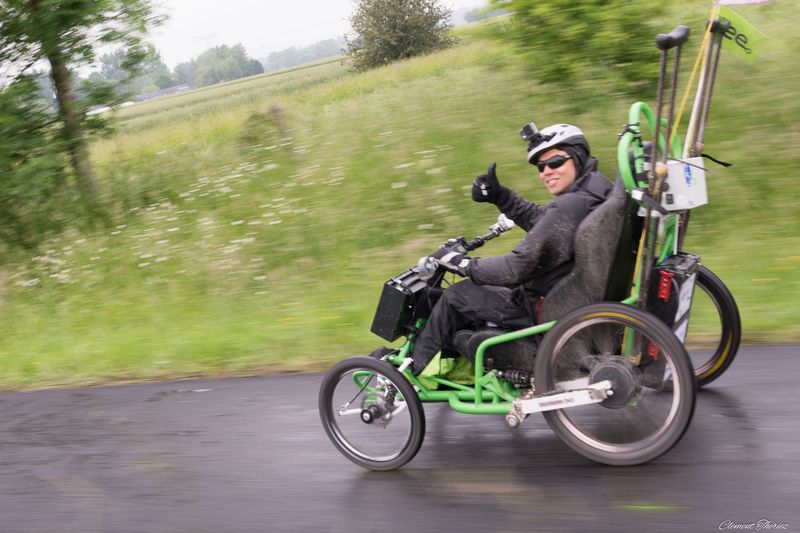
(255, 222)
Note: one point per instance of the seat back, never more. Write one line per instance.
(605, 254)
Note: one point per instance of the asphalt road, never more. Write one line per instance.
(250, 455)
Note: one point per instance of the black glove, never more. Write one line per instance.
(452, 259)
(486, 187)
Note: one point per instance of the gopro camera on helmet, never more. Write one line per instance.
(530, 133)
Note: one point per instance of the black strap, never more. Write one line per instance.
(717, 161)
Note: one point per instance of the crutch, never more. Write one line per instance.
(658, 162)
(695, 138)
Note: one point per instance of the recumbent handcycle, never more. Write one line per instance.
(606, 364)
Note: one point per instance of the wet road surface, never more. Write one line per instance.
(250, 455)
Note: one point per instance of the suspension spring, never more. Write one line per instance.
(516, 377)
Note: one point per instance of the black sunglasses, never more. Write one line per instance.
(553, 162)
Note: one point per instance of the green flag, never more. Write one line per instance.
(742, 38)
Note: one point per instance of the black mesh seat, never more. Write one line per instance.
(605, 255)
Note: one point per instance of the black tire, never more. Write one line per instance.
(712, 356)
(374, 418)
(648, 414)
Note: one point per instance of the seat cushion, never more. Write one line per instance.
(515, 355)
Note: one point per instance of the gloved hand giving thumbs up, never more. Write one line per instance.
(487, 188)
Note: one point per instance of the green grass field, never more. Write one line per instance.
(247, 240)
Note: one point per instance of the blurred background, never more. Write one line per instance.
(233, 213)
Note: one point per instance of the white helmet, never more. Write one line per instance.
(555, 135)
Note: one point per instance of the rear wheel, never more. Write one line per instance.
(652, 381)
(715, 328)
(371, 413)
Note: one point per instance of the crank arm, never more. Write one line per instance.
(594, 393)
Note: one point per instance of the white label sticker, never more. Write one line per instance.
(685, 299)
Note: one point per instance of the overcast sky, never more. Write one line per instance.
(262, 26)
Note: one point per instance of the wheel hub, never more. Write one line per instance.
(623, 375)
(371, 414)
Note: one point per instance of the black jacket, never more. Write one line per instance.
(546, 252)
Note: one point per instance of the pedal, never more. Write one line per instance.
(594, 393)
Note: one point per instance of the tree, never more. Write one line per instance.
(576, 43)
(148, 74)
(388, 30)
(63, 34)
(218, 64)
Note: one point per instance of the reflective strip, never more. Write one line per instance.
(724, 356)
(613, 315)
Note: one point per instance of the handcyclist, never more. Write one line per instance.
(505, 290)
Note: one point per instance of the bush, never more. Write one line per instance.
(31, 165)
(388, 30)
(576, 44)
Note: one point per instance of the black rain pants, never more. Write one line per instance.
(465, 305)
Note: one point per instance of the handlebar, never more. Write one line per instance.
(676, 37)
(427, 266)
(502, 225)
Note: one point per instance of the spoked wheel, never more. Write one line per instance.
(715, 328)
(371, 413)
(652, 382)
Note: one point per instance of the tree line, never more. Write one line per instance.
(294, 55)
(215, 65)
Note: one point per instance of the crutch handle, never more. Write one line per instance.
(676, 37)
(720, 26)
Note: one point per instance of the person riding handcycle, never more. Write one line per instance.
(505, 291)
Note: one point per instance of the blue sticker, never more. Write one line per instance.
(687, 174)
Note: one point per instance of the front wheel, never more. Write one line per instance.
(371, 413)
(652, 380)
